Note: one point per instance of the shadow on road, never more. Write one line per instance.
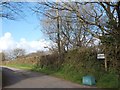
(10, 77)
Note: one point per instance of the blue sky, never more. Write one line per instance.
(23, 33)
(28, 27)
(22, 29)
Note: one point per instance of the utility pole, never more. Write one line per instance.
(58, 30)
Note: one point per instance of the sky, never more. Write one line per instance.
(23, 33)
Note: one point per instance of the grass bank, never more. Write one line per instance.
(20, 66)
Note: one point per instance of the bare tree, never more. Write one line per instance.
(9, 55)
(97, 15)
(13, 54)
(18, 52)
(12, 10)
(71, 32)
(2, 56)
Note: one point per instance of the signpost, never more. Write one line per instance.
(102, 57)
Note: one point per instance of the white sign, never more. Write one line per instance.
(100, 56)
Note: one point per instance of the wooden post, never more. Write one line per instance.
(105, 59)
(105, 64)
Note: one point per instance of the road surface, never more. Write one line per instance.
(16, 78)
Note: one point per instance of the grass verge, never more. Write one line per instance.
(20, 66)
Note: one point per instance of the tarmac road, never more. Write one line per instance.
(17, 78)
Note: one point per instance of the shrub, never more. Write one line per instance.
(108, 80)
(52, 61)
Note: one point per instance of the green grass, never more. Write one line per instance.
(109, 80)
(60, 74)
(21, 66)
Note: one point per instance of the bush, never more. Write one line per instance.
(80, 62)
(52, 61)
(108, 80)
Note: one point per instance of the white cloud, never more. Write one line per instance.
(7, 42)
